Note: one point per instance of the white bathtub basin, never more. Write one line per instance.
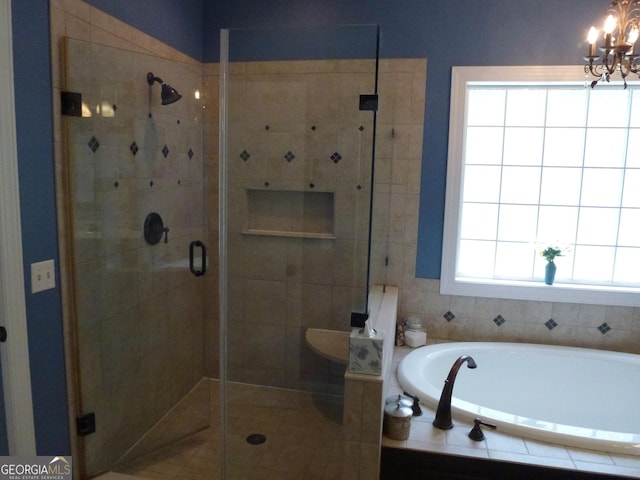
(571, 396)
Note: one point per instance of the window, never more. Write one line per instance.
(537, 159)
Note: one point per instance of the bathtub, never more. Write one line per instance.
(570, 396)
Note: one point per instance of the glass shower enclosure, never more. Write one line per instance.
(297, 129)
(135, 183)
(142, 183)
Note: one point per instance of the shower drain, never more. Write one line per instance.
(256, 439)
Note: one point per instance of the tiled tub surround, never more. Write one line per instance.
(490, 319)
(501, 447)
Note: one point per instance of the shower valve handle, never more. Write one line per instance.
(166, 234)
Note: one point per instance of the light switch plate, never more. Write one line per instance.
(42, 276)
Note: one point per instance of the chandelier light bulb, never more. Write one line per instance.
(592, 37)
(609, 25)
(633, 35)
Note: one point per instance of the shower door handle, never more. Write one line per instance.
(203, 266)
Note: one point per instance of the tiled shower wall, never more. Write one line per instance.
(136, 341)
(299, 195)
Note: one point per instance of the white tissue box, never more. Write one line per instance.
(365, 352)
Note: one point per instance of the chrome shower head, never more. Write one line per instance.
(168, 94)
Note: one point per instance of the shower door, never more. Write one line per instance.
(298, 129)
(135, 203)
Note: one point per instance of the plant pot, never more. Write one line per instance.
(550, 273)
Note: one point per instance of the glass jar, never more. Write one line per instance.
(415, 334)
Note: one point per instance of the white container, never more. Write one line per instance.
(415, 335)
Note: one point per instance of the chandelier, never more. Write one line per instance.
(618, 50)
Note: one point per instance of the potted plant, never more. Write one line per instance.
(550, 253)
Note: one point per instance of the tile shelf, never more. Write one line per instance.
(282, 233)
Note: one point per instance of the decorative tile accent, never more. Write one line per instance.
(267, 127)
(190, 153)
(115, 107)
(313, 127)
(359, 187)
(449, 316)
(134, 148)
(165, 151)
(266, 184)
(499, 320)
(550, 324)
(312, 185)
(361, 128)
(604, 328)
(94, 144)
(151, 183)
(336, 157)
(289, 156)
(116, 184)
(245, 155)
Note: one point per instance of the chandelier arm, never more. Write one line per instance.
(613, 66)
(596, 70)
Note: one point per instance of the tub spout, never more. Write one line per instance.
(443, 414)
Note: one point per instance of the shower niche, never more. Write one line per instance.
(286, 213)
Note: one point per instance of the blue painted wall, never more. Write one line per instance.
(31, 52)
(176, 22)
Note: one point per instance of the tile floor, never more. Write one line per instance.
(303, 440)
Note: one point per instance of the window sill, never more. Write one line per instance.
(539, 291)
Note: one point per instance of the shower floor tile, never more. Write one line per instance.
(303, 440)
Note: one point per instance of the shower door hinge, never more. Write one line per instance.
(369, 102)
(358, 319)
(71, 104)
(86, 424)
